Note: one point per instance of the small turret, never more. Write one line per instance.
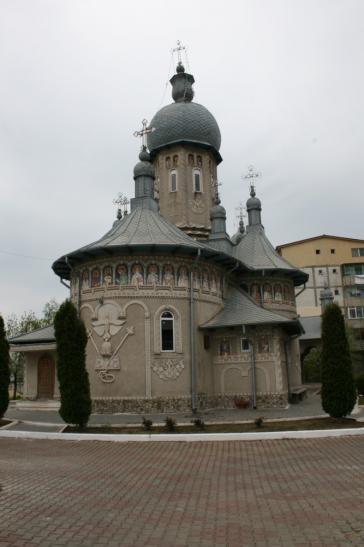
(254, 208)
(218, 237)
(144, 176)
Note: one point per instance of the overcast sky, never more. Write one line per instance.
(284, 79)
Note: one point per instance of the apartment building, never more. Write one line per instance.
(335, 262)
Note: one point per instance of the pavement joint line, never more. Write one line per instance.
(182, 437)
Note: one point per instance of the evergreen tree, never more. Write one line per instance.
(71, 340)
(338, 389)
(4, 370)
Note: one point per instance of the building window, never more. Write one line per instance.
(320, 272)
(356, 312)
(332, 251)
(318, 251)
(167, 331)
(244, 344)
(358, 251)
(354, 269)
(173, 181)
(337, 291)
(334, 270)
(197, 180)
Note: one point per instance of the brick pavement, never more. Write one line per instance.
(263, 493)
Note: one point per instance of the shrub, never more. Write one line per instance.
(338, 391)
(259, 422)
(199, 424)
(4, 370)
(170, 424)
(147, 424)
(71, 340)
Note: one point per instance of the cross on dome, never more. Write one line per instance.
(144, 132)
(215, 184)
(179, 50)
(251, 176)
(122, 202)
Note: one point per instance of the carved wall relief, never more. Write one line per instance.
(168, 369)
(106, 323)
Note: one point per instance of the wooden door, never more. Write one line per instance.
(46, 373)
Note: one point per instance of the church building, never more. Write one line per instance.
(178, 314)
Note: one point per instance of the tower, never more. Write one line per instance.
(184, 145)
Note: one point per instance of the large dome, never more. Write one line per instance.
(184, 122)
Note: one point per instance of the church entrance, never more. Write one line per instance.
(46, 374)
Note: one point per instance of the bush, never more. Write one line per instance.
(338, 391)
(259, 422)
(312, 366)
(170, 424)
(4, 370)
(71, 340)
(199, 424)
(360, 384)
(147, 424)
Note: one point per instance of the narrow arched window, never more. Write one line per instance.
(167, 331)
(173, 181)
(197, 180)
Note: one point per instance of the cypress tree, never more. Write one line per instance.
(74, 386)
(338, 392)
(4, 370)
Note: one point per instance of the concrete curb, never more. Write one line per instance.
(182, 437)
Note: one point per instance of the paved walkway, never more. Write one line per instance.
(228, 494)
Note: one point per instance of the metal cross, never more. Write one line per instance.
(240, 212)
(251, 176)
(215, 184)
(122, 202)
(179, 48)
(144, 132)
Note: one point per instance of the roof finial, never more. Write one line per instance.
(179, 49)
(241, 214)
(251, 176)
(143, 133)
(215, 184)
(122, 202)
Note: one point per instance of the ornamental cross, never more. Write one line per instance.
(240, 212)
(251, 176)
(179, 49)
(215, 185)
(122, 202)
(144, 132)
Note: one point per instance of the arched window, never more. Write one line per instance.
(173, 181)
(167, 331)
(197, 180)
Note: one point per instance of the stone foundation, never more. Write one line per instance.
(109, 405)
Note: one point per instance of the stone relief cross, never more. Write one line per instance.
(144, 132)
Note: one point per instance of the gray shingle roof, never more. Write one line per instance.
(187, 122)
(240, 309)
(257, 251)
(141, 230)
(312, 327)
(45, 334)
